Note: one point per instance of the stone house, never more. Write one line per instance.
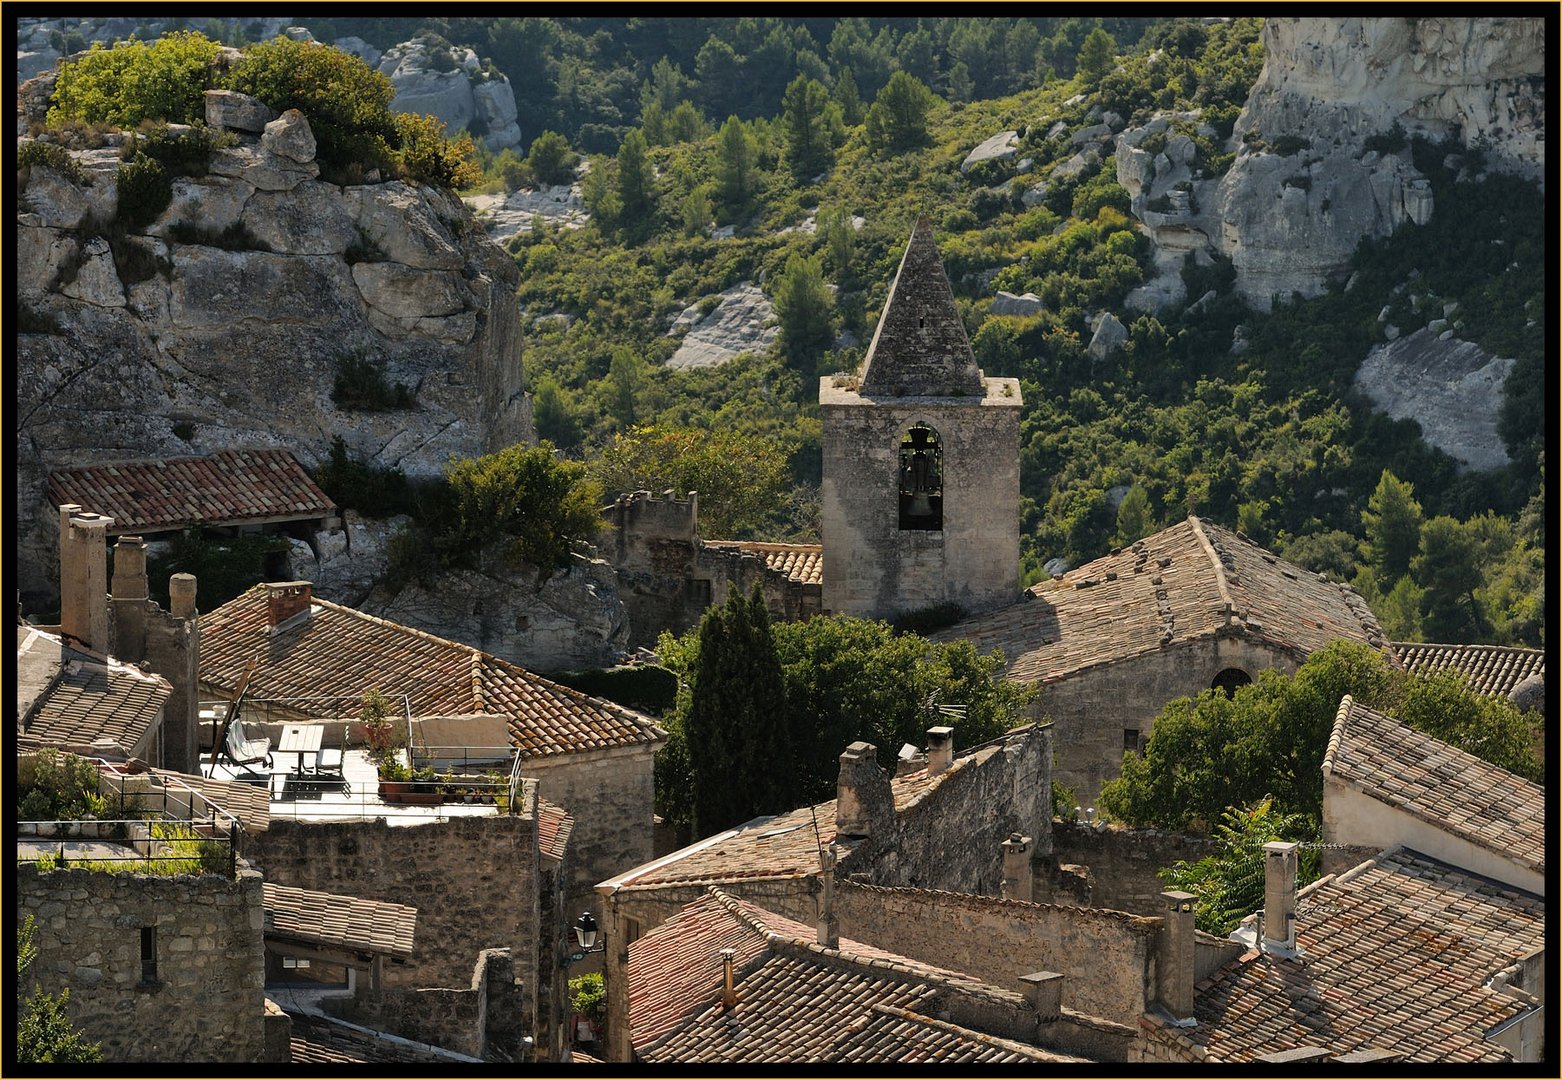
(1385, 783)
(590, 756)
(1190, 608)
(1403, 957)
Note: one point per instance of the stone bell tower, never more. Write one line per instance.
(921, 487)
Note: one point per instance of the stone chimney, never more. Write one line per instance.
(1018, 882)
(1174, 965)
(864, 802)
(829, 925)
(181, 596)
(940, 749)
(1279, 928)
(285, 599)
(729, 993)
(1045, 990)
(84, 577)
(129, 599)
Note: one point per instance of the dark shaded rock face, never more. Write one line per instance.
(224, 323)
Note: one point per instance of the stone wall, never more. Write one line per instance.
(1093, 708)
(949, 837)
(208, 1003)
(482, 1021)
(874, 568)
(1107, 957)
(611, 794)
(474, 881)
(1123, 862)
(667, 577)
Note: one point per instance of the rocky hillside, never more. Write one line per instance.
(229, 319)
(1322, 159)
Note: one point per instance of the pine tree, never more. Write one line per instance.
(1133, 517)
(803, 307)
(735, 158)
(897, 120)
(634, 178)
(1393, 523)
(1095, 57)
(804, 119)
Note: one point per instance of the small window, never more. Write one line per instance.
(1130, 738)
(149, 956)
(1229, 680)
(631, 931)
(699, 592)
(921, 479)
(293, 962)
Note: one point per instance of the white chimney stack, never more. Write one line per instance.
(940, 749)
(1279, 896)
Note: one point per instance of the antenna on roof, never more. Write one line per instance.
(818, 840)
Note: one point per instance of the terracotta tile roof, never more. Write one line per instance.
(796, 1001)
(1493, 670)
(229, 487)
(338, 651)
(554, 825)
(1174, 586)
(803, 563)
(321, 1039)
(1438, 783)
(81, 696)
(1396, 956)
(344, 922)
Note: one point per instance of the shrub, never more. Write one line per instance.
(424, 154)
(50, 156)
(1391, 141)
(1286, 145)
(144, 191)
(346, 101)
(550, 159)
(528, 498)
(356, 485)
(128, 83)
(236, 237)
(361, 385)
(185, 154)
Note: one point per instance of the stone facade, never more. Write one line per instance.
(206, 998)
(609, 793)
(483, 1020)
(919, 370)
(668, 577)
(1094, 709)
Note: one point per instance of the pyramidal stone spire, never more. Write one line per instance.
(920, 348)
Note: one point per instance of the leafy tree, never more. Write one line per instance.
(526, 498)
(553, 413)
(740, 477)
(551, 160)
(1392, 521)
(735, 164)
(686, 124)
(44, 1032)
(1448, 568)
(845, 95)
(1268, 739)
(627, 375)
(840, 240)
(696, 210)
(423, 152)
(634, 178)
(958, 84)
(803, 307)
(1229, 881)
(1096, 57)
(1133, 517)
(135, 81)
(806, 122)
(897, 119)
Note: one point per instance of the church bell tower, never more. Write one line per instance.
(921, 486)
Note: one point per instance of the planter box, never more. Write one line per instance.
(408, 792)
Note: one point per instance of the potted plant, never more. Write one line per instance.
(395, 780)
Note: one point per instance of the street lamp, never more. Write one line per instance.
(585, 929)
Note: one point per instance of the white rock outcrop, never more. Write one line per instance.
(465, 95)
(1007, 303)
(1001, 147)
(1452, 388)
(744, 321)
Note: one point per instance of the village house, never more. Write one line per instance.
(589, 756)
(1191, 608)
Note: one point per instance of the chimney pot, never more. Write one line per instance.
(729, 993)
(181, 595)
(1279, 895)
(1176, 962)
(1045, 990)
(284, 599)
(863, 794)
(129, 568)
(1018, 882)
(84, 576)
(940, 749)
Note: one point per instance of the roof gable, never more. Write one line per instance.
(1445, 786)
(339, 652)
(229, 487)
(919, 348)
(73, 697)
(1493, 670)
(1191, 581)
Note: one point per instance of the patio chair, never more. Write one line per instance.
(328, 765)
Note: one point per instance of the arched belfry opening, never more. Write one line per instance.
(1230, 680)
(921, 478)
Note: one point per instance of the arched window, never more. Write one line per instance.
(921, 479)
(1230, 679)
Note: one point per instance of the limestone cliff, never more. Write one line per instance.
(226, 321)
(1322, 161)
